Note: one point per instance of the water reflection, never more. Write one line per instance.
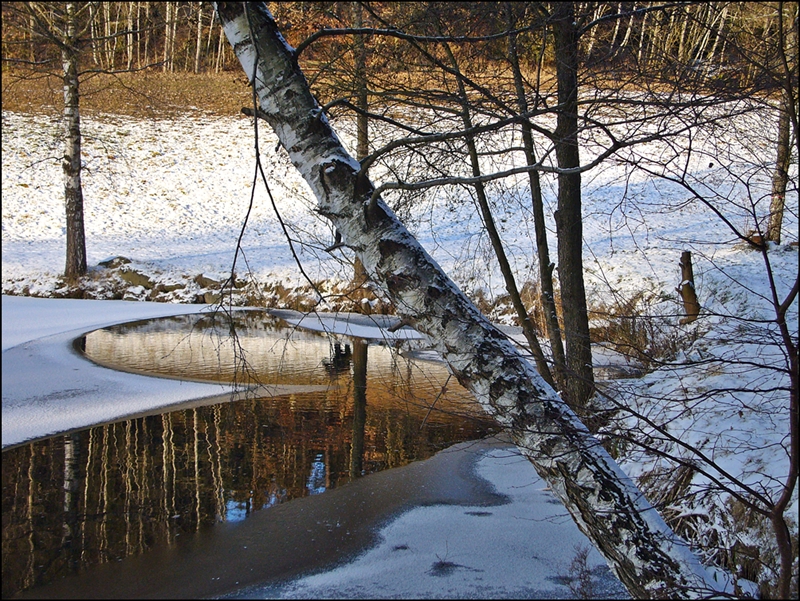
(317, 482)
(119, 489)
(265, 349)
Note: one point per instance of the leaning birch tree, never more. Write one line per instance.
(650, 559)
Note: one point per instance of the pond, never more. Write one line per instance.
(323, 410)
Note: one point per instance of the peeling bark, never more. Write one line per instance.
(644, 553)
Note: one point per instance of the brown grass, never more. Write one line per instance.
(143, 94)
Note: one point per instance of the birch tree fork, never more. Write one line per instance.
(640, 548)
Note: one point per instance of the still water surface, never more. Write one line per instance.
(119, 489)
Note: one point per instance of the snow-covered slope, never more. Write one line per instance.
(171, 196)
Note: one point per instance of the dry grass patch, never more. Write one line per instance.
(142, 94)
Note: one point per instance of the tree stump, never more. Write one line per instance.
(686, 289)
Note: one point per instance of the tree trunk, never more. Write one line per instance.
(569, 221)
(97, 56)
(593, 32)
(362, 121)
(686, 289)
(172, 34)
(147, 33)
(129, 37)
(629, 29)
(167, 57)
(494, 236)
(780, 177)
(210, 35)
(199, 37)
(668, 35)
(547, 297)
(617, 23)
(647, 556)
(723, 17)
(219, 62)
(139, 34)
(31, 41)
(707, 24)
(73, 191)
(109, 60)
(682, 41)
(640, 56)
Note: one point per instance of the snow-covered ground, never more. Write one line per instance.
(170, 196)
(522, 549)
(48, 388)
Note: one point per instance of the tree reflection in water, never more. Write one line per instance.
(119, 489)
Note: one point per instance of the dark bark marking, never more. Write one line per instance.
(401, 281)
(375, 214)
(390, 247)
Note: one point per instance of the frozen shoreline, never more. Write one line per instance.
(48, 388)
(478, 507)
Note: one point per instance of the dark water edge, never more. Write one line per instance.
(145, 486)
(309, 534)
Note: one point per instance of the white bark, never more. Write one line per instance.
(167, 29)
(605, 504)
(199, 37)
(129, 36)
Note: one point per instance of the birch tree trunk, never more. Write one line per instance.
(641, 55)
(682, 41)
(97, 56)
(73, 190)
(129, 36)
(109, 56)
(644, 553)
(172, 33)
(723, 17)
(210, 35)
(146, 34)
(616, 30)
(199, 44)
(167, 29)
